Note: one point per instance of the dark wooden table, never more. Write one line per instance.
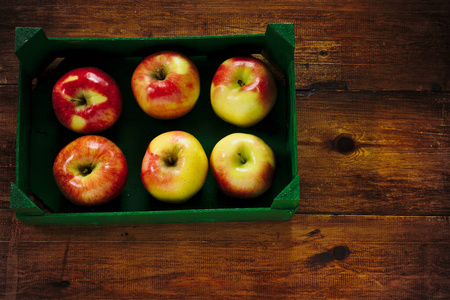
(372, 81)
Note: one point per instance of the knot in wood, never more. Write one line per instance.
(344, 144)
(341, 252)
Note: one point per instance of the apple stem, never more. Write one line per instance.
(78, 102)
(242, 158)
(160, 73)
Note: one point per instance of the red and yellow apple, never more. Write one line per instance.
(90, 171)
(243, 91)
(166, 85)
(174, 167)
(87, 100)
(243, 165)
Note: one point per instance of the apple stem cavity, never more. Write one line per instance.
(86, 169)
(170, 160)
(160, 74)
(81, 101)
(242, 158)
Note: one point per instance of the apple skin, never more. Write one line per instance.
(87, 100)
(243, 165)
(166, 85)
(174, 167)
(90, 171)
(243, 91)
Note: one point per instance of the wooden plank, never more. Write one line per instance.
(393, 157)
(349, 46)
(310, 256)
(8, 115)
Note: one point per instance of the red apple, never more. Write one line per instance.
(166, 85)
(90, 171)
(174, 167)
(243, 91)
(87, 100)
(243, 165)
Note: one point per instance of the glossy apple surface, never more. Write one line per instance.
(90, 171)
(243, 165)
(174, 167)
(87, 100)
(243, 91)
(166, 85)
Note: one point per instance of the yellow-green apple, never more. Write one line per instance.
(243, 165)
(166, 85)
(243, 91)
(87, 100)
(90, 170)
(174, 167)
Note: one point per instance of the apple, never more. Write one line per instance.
(87, 100)
(166, 85)
(243, 91)
(90, 170)
(174, 167)
(243, 165)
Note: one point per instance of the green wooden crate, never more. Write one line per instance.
(43, 60)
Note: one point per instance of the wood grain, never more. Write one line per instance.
(398, 163)
(372, 81)
(311, 256)
(8, 115)
(351, 46)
